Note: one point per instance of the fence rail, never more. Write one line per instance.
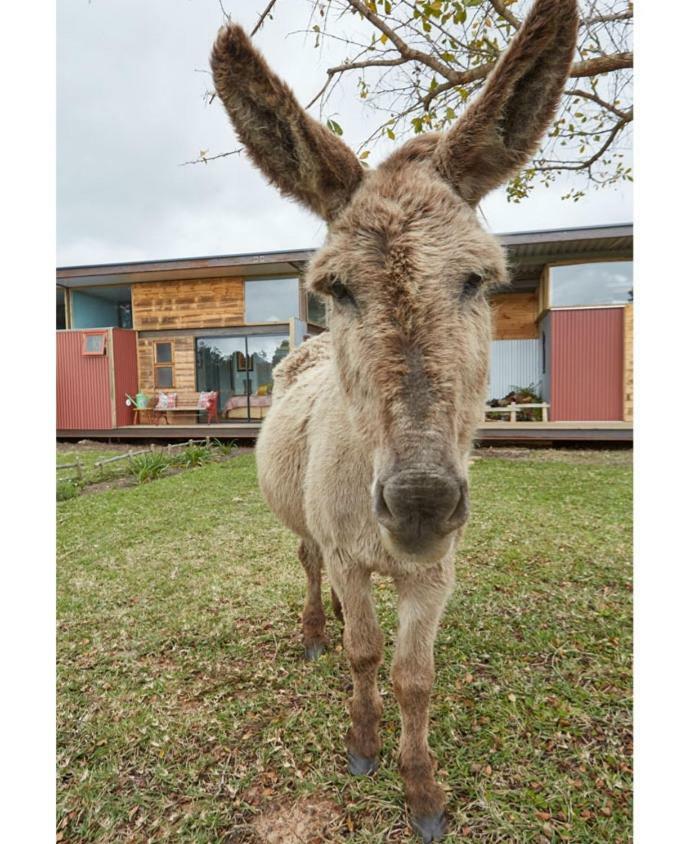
(128, 455)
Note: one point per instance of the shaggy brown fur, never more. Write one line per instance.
(364, 453)
(299, 155)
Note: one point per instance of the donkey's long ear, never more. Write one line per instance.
(299, 155)
(499, 132)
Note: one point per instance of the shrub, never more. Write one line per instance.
(193, 455)
(224, 449)
(148, 467)
(67, 488)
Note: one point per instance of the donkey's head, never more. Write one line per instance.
(406, 266)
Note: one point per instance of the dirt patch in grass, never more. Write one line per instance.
(312, 820)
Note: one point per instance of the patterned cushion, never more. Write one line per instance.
(166, 401)
(205, 400)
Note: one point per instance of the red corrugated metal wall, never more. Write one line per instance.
(125, 372)
(587, 360)
(83, 394)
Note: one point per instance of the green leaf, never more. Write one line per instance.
(336, 128)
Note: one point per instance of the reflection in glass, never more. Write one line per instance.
(164, 353)
(164, 376)
(602, 283)
(240, 369)
(61, 309)
(272, 300)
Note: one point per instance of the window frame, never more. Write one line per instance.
(164, 364)
(548, 282)
(102, 333)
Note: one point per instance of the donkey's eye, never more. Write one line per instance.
(471, 285)
(341, 293)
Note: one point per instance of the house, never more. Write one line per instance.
(186, 328)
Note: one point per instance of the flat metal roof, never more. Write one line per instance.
(528, 253)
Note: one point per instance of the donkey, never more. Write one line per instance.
(364, 453)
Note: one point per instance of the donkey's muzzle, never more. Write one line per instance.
(420, 508)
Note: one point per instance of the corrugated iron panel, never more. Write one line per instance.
(125, 372)
(587, 364)
(545, 340)
(514, 363)
(83, 385)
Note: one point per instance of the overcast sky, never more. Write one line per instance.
(131, 110)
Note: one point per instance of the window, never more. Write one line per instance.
(272, 300)
(164, 353)
(240, 369)
(316, 310)
(101, 307)
(94, 343)
(164, 365)
(602, 283)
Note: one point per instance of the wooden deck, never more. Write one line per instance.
(488, 432)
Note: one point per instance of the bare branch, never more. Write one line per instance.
(262, 17)
(341, 68)
(620, 16)
(204, 159)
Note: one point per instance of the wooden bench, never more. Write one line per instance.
(154, 414)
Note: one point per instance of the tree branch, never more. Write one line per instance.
(590, 67)
(589, 162)
(619, 16)
(587, 95)
(602, 64)
(341, 68)
(500, 8)
(402, 47)
(204, 159)
(262, 17)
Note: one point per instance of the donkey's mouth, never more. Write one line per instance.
(414, 549)
(418, 510)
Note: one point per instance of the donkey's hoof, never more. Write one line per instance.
(430, 827)
(314, 651)
(361, 766)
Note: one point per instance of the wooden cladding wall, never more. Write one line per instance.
(514, 316)
(184, 383)
(628, 363)
(192, 303)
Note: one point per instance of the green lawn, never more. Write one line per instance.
(186, 714)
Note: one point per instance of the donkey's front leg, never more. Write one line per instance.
(363, 643)
(421, 600)
(314, 621)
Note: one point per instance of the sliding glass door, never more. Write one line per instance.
(240, 369)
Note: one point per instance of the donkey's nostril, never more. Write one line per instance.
(421, 502)
(381, 508)
(459, 512)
